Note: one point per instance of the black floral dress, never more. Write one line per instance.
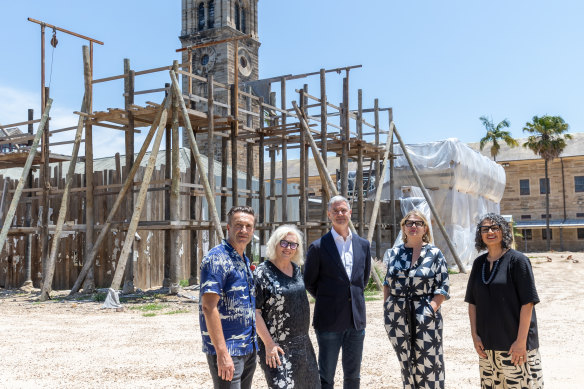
(414, 329)
(286, 312)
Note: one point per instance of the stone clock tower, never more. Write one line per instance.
(206, 21)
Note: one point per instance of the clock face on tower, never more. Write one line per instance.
(204, 60)
(244, 62)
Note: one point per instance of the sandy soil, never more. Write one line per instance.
(72, 344)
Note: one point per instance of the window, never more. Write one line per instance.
(201, 16)
(524, 217)
(243, 20)
(543, 187)
(579, 183)
(543, 215)
(211, 14)
(580, 214)
(580, 233)
(237, 17)
(544, 234)
(524, 187)
(527, 234)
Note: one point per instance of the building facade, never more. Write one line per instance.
(525, 193)
(208, 21)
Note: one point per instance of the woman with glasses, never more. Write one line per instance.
(282, 314)
(501, 296)
(415, 286)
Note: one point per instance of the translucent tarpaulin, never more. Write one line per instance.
(462, 183)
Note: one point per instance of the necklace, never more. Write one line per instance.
(493, 272)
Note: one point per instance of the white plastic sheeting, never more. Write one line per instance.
(462, 183)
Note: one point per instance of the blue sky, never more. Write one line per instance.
(440, 65)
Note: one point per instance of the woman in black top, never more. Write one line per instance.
(501, 295)
(283, 314)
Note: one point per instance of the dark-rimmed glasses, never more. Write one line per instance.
(417, 223)
(485, 229)
(284, 244)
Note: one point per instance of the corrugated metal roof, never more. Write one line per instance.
(109, 163)
(575, 147)
(536, 224)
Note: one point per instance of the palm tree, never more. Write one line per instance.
(547, 142)
(496, 133)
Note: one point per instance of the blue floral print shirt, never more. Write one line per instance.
(226, 273)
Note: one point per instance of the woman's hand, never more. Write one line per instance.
(478, 345)
(434, 306)
(272, 356)
(518, 353)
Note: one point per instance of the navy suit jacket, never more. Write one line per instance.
(340, 301)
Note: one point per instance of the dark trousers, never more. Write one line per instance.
(329, 345)
(242, 376)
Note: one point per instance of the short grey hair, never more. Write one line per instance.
(337, 199)
(278, 235)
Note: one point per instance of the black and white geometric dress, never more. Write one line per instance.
(413, 328)
(286, 312)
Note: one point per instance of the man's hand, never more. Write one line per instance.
(225, 367)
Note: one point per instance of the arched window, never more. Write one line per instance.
(243, 20)
(237, 19)
(211, 14)
(201, 16)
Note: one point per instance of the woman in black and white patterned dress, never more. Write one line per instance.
(501, 299)
(286, 354)
(416, 285)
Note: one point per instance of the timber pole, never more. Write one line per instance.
(25, 170)
(89, 284)
(123, 259)
(50, 268)
(379, 185)
(175, 235)
(129, 182)
(430, 203)
(326, 178)
(195, 150)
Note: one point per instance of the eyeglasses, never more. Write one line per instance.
(285, 244)
(485, 229)
(418, 223)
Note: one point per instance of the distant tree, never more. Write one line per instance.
(496, 133)
(548, 140)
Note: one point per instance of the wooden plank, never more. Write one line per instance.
(323, 142)
(176, 248)
(90, 258)
(49, 272)
(16, 198)
(29, 121)
(123, 258)
(195, 151)
(284, 204)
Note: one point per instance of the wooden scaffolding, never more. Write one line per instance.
(251, 131)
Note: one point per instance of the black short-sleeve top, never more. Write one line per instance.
(498, 302)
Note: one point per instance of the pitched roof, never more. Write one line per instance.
(575, 147)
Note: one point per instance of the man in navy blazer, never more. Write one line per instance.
(336, 272)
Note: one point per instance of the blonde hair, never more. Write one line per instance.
(415, 212)
(278, 235)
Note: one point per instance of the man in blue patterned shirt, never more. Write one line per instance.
(227, 305)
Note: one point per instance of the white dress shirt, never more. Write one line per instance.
(345, 249)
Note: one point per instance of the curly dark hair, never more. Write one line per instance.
(505, 231)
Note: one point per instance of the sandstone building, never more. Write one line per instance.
(524, 196)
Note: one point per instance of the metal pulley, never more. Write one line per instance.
(54, 40)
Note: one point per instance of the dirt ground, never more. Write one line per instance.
(155, 341)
